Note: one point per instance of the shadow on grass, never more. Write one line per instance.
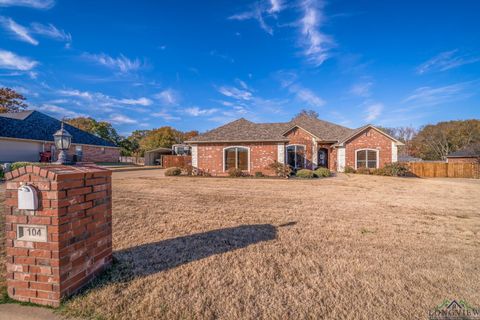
(159, 256)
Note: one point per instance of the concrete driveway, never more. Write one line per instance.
(19, 312)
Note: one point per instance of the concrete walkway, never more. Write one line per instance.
(19, 312)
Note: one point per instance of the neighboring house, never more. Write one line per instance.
(469, 154)
(23, 135)
(304, 142)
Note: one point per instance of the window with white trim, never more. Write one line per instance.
(296, 156)
(236, 157)
(367, 158)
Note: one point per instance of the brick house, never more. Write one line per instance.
(304, 142)
(469, 154)
(24, 135)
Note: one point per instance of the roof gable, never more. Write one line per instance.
(244, 130)
(362, 129)
(34, 125)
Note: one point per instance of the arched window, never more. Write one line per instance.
(296, 156)
(236, 157)
(366, 158)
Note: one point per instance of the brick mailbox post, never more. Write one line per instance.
(63, 238)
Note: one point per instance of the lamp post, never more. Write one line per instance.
(63, 139)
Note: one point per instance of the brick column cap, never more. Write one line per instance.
(59, 172)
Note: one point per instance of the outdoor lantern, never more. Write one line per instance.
(63, 139)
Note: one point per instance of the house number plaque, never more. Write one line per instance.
(27, 232)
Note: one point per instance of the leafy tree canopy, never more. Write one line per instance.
(101, 129)
(436, 141)
(11, 101)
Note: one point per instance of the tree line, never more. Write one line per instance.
(429, 142)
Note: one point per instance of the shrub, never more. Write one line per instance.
(235, 173)
(17, 165)
(305, 174)
(393, 170)
(2, 174)
(280, 169)
(322, 172)
(173, 171)
(363, 171)
(259, 174)
(349, 170)
(188, 170)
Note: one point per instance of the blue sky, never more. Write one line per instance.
(199, 64)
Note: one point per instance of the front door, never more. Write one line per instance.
(323, 157)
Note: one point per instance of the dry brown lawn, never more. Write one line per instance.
(351, 247)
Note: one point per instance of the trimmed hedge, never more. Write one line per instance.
(173, 171)
(305, 174)
(235, 173)
(392, 170)
(322, 172)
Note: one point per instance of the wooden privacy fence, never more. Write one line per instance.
(176, 161)
(444, 170)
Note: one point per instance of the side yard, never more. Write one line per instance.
(354, 246)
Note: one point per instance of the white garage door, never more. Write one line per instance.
(12, 151)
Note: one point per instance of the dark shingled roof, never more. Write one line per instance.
(244, 130)
(472, 150)
(34, 125)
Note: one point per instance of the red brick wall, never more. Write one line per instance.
(300, 136)
(464, 160)
(210, 157)
(369, 139)
(93, 153)
(75, 205)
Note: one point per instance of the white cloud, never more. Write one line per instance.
(168, 97)
(19, 31)
(259, 11)
(288, 80)
(121, 63)
(196, 111)
(52, 32)
(121, 119)
(235, 93)
(139, 102)
(373, 111)
(103, 100)
(275, 6)
(37, 4)
(215, 53)
(306, 95)
(429, 96)
(165, 115)
(9, 60)
(445, 61)
(315, 43)
(60, 111)
(361, 89)
(76, 93)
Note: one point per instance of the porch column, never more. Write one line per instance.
(281, 153)
(394, 152)
(314, 153)
(195, 156)
(341, 159)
